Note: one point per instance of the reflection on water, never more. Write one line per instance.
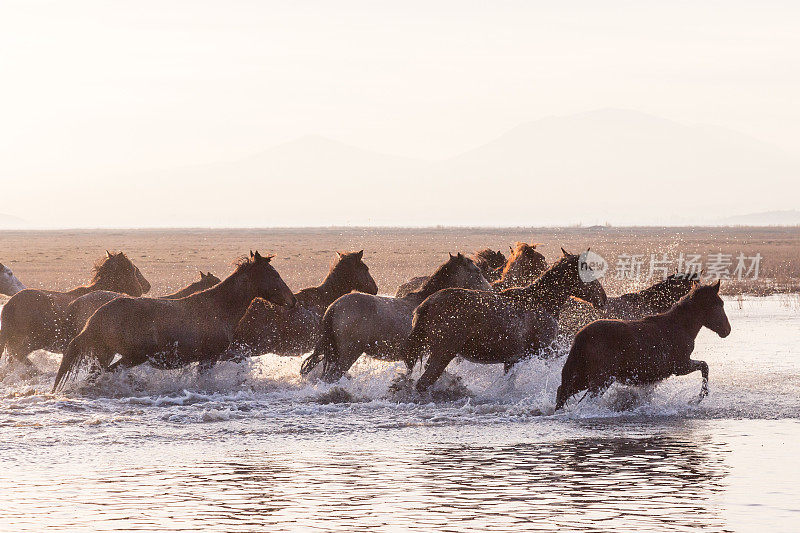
(582, 484)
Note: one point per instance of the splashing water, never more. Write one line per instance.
(255, 445)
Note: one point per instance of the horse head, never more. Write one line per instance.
(266, 281)
(351, 269)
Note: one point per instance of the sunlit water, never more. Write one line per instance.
(253, 447)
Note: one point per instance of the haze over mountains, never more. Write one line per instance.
(617, 166)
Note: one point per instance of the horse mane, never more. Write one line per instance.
(434, 281)
(688, 299)
(245, 262)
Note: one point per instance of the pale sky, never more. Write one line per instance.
(97, 92)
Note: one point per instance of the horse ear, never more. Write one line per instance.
(360, 255)
(338, 254)
(563, 251)
(202, 275)
(251, 254)
(716, 286)
(511, 248)
(257, 256)
(451, 255)
(109, 254)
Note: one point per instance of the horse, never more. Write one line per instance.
(658, 298)
(34, 319)
(644, 351)
(9, 284)
(267, 328)
(79, 311)
(174, 333)
(378, 325)
(490, 262)
(524, 265)
(495, 327)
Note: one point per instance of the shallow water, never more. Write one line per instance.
(253, 447)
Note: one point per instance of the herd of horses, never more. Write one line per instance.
(484, 308)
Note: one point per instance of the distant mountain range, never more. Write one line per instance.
(767, 218)
(612, 165)
(12, 222)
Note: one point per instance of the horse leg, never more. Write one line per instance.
(434, 368)
(20, 350)
(339, 362)
(693, 365)
(206, 365)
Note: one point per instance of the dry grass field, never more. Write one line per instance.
(171, 258)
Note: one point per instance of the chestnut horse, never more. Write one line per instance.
(34, 319)
(174, 333)
(524, 265)
(658, 298)
(645, 351)
(79, 311)
(378, 325)
(489, 327)
(9, 284)
(267, 328)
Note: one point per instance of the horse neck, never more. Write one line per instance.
(684, 314)
(432, 284)
(549, 292)
(229, 299)
(186, 291)
(333, 286)
(77, 292)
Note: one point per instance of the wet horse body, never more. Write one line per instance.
(9, 284)
(35, 319)
(489, 261)
(267, 328)
(644, 351)
(489, 327)
(379, 325)
(174, 333)
(79, 311)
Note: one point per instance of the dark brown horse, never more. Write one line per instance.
(378, 325)
(489, 327)
(267, 328)
(524, 265)
(658, 298)
(79, 311)
(490, 262)
(174, 333)
(645, 351)
(34, 319)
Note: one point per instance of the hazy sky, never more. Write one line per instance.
(104, 89)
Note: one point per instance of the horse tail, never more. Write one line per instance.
(416, 341)
(72, 358)
(325, 347)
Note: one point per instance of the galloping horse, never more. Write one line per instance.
(378, 325)
(658, 298)
(9, 284)
(34, 319)
(524, 265)
(174, 333)
(489, 327)
(645, 351)
(267, 328)
(79, 311)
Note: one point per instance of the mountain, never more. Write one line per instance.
(617, 166)
(12, 222)
(789, 217)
